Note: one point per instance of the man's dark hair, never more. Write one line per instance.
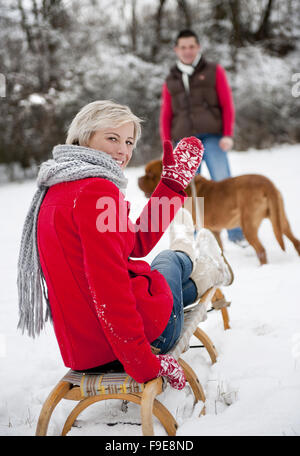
(186, 34)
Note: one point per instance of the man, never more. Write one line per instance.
(197, 101)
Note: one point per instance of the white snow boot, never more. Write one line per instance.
(182, 234)
(211, 268)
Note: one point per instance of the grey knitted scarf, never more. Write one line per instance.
(69, 163)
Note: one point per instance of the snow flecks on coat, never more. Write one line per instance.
(101, 313)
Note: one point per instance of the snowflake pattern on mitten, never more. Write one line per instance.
(187, 158)
(171, 369)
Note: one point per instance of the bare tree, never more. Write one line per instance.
(158, 26)
(134, 26)
(219, 10)
(183, 7)
(41, 24)
(235, 16)
(263, 31)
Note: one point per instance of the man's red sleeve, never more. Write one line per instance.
(226, 101)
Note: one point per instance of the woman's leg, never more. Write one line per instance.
(176, 267)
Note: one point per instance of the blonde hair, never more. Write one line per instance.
(99, 115)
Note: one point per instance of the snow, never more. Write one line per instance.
(253, 389)
(35, 98)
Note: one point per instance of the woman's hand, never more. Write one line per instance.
(171, 369)
(180, 165)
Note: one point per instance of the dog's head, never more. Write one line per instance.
(150, 180)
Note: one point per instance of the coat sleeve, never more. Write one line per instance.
(166, 114)
(155, 218)
(105, 267)
(226, 101)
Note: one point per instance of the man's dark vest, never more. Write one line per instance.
(198, 111)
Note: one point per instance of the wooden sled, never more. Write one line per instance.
(90, 388)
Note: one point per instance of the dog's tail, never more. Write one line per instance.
(275, 214)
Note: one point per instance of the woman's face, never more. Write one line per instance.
(115, 141)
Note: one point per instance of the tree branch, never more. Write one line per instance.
(264, 28)
(158, 19)
(26, 28)
(185, 9)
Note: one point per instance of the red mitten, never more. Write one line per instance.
(180, 165)
(171, 369)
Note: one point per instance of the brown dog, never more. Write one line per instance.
(237, 201)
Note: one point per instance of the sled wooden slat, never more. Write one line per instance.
(86, 388)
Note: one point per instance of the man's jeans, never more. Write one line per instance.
(217, 163)
(176, 267)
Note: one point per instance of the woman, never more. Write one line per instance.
(78, 243)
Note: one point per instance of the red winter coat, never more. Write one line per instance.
(105, 305)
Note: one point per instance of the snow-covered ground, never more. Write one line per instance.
(253, 389)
